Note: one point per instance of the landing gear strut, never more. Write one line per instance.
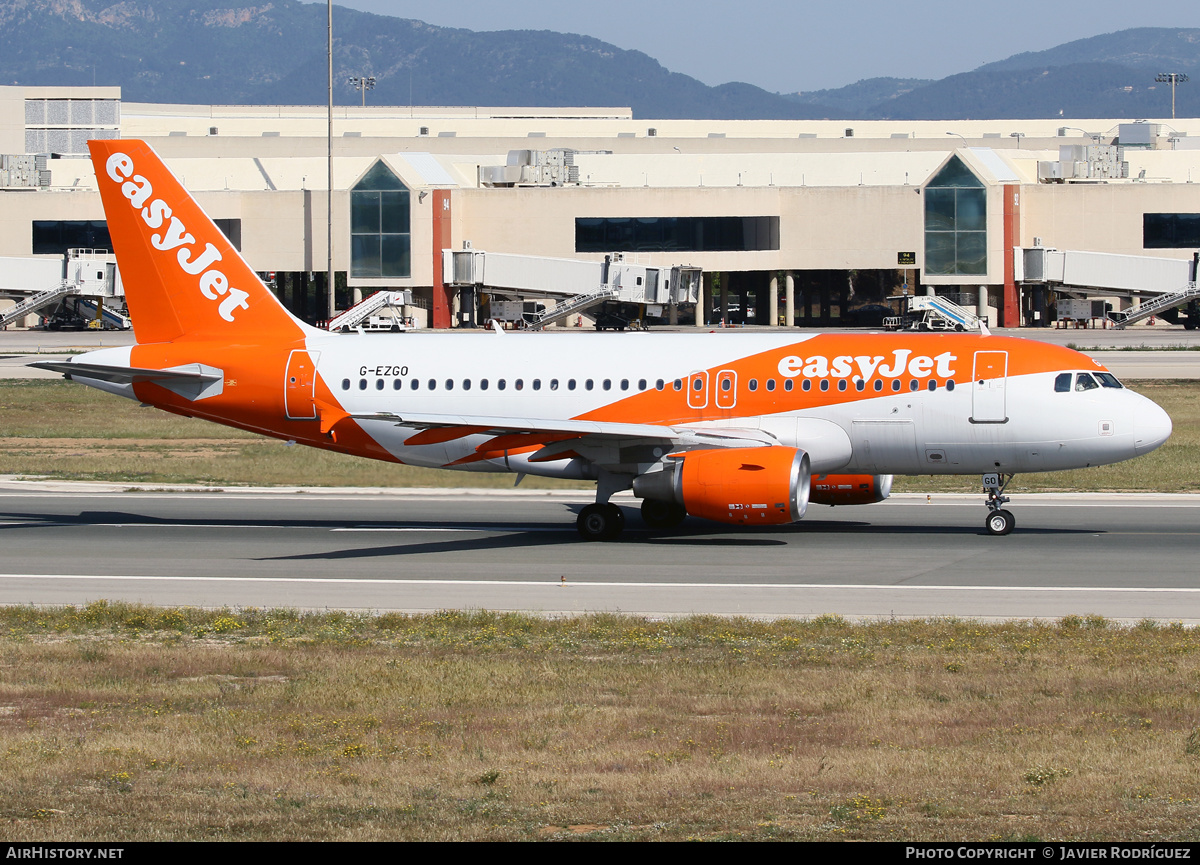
(600, 522)
(999, 521)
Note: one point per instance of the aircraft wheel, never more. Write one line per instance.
(1000, 522)
(600, 522)
(662, 515)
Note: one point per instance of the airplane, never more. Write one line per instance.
(745, 429)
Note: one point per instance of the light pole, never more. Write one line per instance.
(329, 167)
(365, 83)
(1172, 78)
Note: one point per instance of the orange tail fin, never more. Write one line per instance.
(183, 279)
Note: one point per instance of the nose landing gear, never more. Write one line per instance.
(999, 521)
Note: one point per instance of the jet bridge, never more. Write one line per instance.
(89, 273)
(576, 286)
(1162, 284)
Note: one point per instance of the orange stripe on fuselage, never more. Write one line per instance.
(670, 406)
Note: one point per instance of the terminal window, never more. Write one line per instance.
(1170, 230)
(55, 237)
(677, 234)
(955, 222)
(380, 240)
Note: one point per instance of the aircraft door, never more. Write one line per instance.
(697, 385)
(726, 392)
(988, 387)
(299, 384)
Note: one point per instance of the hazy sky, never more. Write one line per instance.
(789, 46)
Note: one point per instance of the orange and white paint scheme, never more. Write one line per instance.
(741, 428)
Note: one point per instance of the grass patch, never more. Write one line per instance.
(62, 430)
(273, 724)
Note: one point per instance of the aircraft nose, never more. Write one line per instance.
(1151, 427)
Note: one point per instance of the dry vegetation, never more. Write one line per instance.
(62, 430)
(128, 723)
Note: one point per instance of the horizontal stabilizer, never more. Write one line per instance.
(125, 374)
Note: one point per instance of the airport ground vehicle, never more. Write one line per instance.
(745, 428)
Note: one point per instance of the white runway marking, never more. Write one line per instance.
(605, 584)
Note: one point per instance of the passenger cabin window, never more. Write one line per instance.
(483, 384)
(771, 384)
(753, 384)
(397, 384)
(345, 384)
(677, 384)
(571, 384)
(788, 384)
(537, 384)
(378, 384)
(1062, 382)
(362, 384)
(660, 384)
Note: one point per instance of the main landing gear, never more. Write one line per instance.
(999, 521)
(600, 522)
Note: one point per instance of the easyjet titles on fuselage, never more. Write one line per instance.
(212, 283)
(842, 366)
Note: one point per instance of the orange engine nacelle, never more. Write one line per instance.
(759, 486)
(850, 489)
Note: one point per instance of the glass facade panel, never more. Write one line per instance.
(971, 252)
(364, 255)
(970, 212)
(380, 238)
(955, 222)
(364, 212)
(939, 209)
(939, 253)
(394, 257)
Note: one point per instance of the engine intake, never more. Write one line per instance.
(850, 489)
(759, 486)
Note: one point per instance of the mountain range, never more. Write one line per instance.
(209, 52)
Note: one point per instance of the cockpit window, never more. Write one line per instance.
(1107, 379)
(1062, 382)
(1083, 381)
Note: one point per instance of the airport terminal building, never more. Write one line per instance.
(793, 223)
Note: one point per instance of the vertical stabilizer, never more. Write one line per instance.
(183, 278)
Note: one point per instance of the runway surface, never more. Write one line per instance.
(1124, 557)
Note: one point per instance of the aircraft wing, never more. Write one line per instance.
(128, 374)
(680, 436)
